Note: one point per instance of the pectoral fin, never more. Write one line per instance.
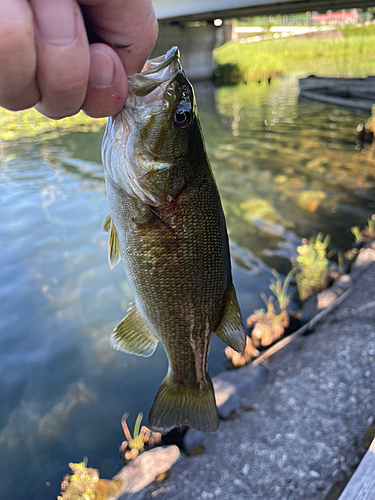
(133, 335)
(114, 256)
(107, 224)
(231, 329)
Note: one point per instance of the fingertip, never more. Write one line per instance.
(108, 87)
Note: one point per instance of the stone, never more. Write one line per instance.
(344, 282)
(327, 297)
(364, 259)
(226, 396)
(309, 309)
(247, 380)
(193, 439)
(144, 469)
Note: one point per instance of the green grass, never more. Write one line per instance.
(347, 56)
(30, 123)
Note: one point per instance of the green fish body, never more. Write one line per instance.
(167, 226)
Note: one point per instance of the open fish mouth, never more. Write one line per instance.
(125, 161)
(156, 73)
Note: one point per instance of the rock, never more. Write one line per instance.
(327, 297)
(144, 469)
(226, 396)
(364, 259)
(344, 282)
(193, 439)
(247, 380)
(309, 309)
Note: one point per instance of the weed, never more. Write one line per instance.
(367, 234)
(357, 233)
(142, 437)
(281, 290)
(84, 484)
(312, 268)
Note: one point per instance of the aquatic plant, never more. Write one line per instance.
(85, 484)
(239, 359)
(142, 437)
(367, 234)
(312, 266)
(136, 442)
(267, 326)
(280, 290)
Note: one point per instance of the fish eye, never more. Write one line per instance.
(182, 117)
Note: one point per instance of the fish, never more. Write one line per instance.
(167, 226)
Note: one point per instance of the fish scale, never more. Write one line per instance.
(168, 228)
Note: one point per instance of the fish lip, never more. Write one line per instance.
(156, 73)
(155, 65)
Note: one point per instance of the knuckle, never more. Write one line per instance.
(16, 35)
(19, 104)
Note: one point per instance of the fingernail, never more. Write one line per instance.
(56, 22)
(102, 73)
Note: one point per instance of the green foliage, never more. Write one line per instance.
(345, 56)
(137, 441)
(357, 233)
(368, 233)
(30, 123)
(312, 268)
(84, 484)
(280, 290)
(371, 226)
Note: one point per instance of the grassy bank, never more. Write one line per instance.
(30, 123)
(347, 56)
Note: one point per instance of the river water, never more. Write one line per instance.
(285, 170)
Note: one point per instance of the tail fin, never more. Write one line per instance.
(177, 405)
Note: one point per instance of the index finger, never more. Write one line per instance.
(129, 27)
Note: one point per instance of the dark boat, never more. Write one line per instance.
(356, 93)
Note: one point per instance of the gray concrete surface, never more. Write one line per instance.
(305, 431)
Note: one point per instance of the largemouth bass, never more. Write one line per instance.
(167, 226)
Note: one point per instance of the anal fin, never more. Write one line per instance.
(133, 335)
(231, 330)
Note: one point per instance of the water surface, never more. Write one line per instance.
(285, 170)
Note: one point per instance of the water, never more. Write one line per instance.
(285, 170)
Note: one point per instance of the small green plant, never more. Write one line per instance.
(137, 441)
(267, 326)
(341, 262)
(357, 233)
(312, 266)
(84, 484)
(280, 290)
(367, 234)
(371, 226)
(143, 438)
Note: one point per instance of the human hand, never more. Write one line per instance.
(46, 60)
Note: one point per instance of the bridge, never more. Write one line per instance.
(189, 24)
(208, 10)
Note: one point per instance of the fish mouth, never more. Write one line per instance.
(155, 73)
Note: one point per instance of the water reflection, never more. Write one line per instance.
(284, 169)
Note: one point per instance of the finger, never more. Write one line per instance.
(108, 86)
(63, 56)
(18, 88)
(129, 26)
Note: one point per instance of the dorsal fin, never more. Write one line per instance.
(231, 329)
